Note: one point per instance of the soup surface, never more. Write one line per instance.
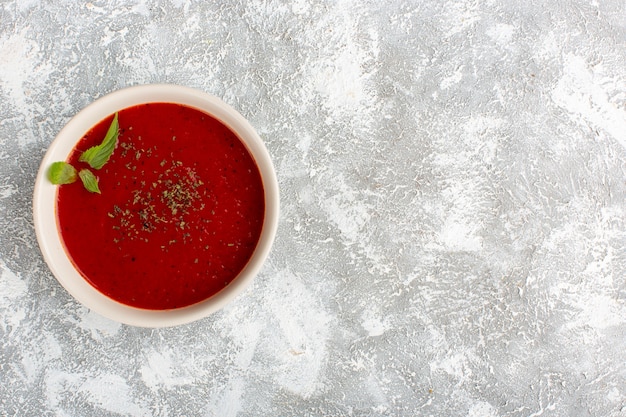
(180, 211)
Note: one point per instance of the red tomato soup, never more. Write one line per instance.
(180, 211)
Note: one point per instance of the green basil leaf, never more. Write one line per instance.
(89, 180)
(97, 156)
(61, 173)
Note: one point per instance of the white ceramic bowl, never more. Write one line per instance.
(46, 224)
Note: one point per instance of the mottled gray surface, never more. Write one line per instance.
(452, 239)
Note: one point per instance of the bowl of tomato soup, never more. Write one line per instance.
(156, 205)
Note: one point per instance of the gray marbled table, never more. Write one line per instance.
(452, 239)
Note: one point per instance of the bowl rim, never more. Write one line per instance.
(44, 204)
